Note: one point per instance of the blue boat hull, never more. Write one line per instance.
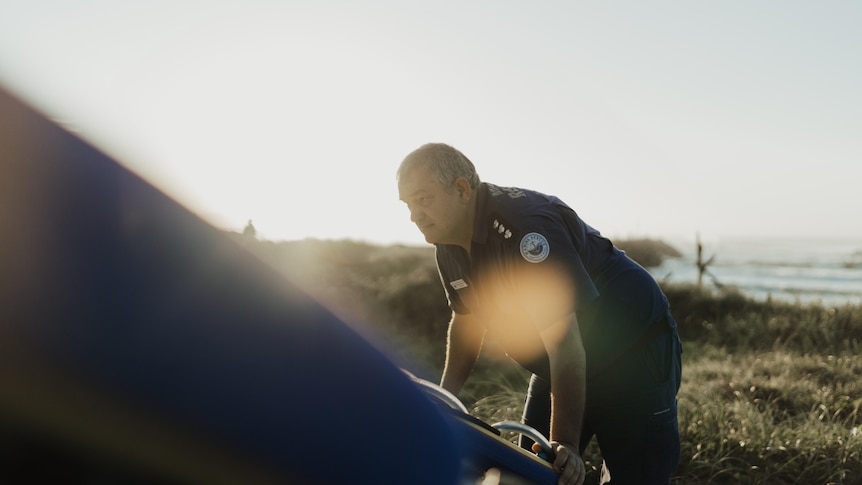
(140, 344)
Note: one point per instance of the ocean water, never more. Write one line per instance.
(805, 271)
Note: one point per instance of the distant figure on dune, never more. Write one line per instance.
(249, 232)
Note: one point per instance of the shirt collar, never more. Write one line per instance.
(480, 226)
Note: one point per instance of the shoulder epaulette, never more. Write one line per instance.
(501, 228)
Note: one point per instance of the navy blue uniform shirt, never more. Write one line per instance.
(533, 261)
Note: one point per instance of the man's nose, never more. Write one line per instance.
(416, 214)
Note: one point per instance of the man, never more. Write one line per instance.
(592, 325)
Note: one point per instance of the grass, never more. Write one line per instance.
(770, 391)
(777, 417)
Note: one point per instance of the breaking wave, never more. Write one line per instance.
(829, 272)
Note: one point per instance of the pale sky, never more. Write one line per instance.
(651, 119)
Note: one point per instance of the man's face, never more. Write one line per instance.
(440, 214)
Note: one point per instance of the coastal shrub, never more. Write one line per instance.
(728, 319)
(647, 252)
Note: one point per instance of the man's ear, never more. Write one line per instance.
(462, 186)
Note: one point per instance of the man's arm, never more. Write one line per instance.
(466, 334)
(568, 390)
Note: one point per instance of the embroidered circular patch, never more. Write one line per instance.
(534, 247)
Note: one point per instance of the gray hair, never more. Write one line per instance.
(444, 161)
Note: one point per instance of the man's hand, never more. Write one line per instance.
(568, 463)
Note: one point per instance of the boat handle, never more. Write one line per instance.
(529, 432)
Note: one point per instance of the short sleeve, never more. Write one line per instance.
(550, 276)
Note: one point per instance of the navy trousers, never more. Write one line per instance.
(631, 409)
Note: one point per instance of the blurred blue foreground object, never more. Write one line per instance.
(138, 344)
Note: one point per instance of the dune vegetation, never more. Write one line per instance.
(770, 393)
